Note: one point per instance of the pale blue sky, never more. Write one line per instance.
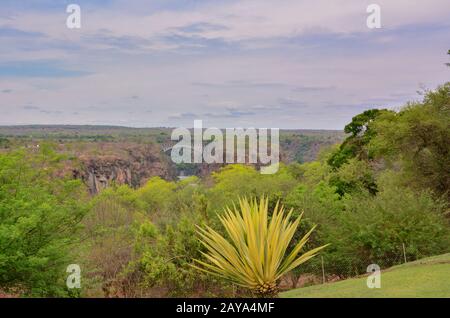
(251, 63)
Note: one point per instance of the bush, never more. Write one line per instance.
(109, 229)
(165, 259)
(39, 217)
(374, 229)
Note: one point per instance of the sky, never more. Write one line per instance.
(231, 63)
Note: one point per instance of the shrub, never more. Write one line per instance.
(253, 254)
(39, 217)
(374, 229)
(165, 258)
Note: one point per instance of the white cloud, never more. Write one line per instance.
(241, 20)
(130, 53)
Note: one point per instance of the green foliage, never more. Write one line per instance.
(418, 138)
(353, 177)
(165, 262)
(320, 204)
(39, 216)
(234, 181)
(361, 132)
(158, 195)
(5, 143)
(374, 229)
(165, 259)
(115, 215)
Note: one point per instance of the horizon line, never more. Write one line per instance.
(150, 127)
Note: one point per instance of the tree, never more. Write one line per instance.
(373, 229)
(360, 135)
(39, 216)
(158, 195)
(417, 138)
(5, 143)
(354, 176)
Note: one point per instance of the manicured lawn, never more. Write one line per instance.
(429, 277)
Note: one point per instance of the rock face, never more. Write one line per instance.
(133, 165)
(99, 173)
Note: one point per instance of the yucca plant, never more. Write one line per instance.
(254, 253)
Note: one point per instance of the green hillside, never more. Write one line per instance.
(429, 277)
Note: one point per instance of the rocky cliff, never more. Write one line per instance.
(122, 163)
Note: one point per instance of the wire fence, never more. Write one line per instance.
(326, 268)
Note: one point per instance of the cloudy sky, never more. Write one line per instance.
(251, 63)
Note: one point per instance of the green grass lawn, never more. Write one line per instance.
(428, 277)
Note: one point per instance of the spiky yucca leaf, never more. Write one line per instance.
(253, 256)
